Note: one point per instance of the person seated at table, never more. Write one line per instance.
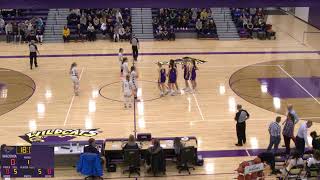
(131, 144)
(91, 148)
(315, 140)
(315, 159)
(293, 161)
(177, 145)
(154, 149)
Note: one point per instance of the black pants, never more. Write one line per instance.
(33, 59)
(287, 143)
(269, 158)
(135, 52)
(300, 145)
(241, 133)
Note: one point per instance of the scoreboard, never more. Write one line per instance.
(18, 161)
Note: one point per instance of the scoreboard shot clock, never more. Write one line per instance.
(27, 161)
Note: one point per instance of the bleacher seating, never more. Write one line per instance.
(182, 21)
(26, 22)
(79, 19)
(251, 23)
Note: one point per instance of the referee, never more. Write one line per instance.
(33, 54)
(241, 117)
(135, 46)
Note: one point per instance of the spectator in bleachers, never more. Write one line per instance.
(2, 25)
(199, 26)
(81, 31)
(96, 22)
(103, 29)
(116, 36)
(14, 31)
(8, 29)
(204, 15)
(128, 33)
(83, 20)
(91, 33)
(122, 33)
(39, 34)
(171, 33)
(39, 23)
(66, 34)
(73, 18)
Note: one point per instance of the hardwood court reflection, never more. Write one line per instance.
(15, 89)
(272, 85)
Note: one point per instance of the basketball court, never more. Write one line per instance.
(263, 76)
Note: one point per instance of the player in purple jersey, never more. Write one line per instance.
(186, 75)
(162, 80)
(193, 74)
(172, 78)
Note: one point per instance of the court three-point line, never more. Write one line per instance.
(199, 109)
(299, 84)
(71, 103)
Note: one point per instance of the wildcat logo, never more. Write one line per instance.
(58, 134)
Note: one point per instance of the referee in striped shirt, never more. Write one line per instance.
(275, 134)
(135, 46)
(241, 117)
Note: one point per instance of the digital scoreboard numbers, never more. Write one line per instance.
(17, 161)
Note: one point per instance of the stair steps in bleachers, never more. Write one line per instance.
(56, 20)
(141, 19)
(226, 28)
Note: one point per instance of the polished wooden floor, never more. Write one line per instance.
(208, 114)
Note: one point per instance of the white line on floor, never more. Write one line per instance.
(199, 109)
(71, 103)
(299, 84)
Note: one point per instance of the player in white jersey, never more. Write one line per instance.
(120, 56)
(125, 67)
(75, 78)
(133, 80)
(127, 92)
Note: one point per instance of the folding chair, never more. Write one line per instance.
(294, 173)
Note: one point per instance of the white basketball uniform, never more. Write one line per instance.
(125, 69)
(74, 75)
(120, 56)
(133, 79)
(127, 92)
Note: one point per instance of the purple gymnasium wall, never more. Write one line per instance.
(314, 16)
(47, 4)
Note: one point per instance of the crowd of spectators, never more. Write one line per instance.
(168, 20)
(21, 30)
(251, 21)
(87, 23)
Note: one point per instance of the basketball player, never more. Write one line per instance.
(75, 78)
(172, 77)
(33, 53)
(193, 74)
(133, 80)
(120, 56)
(125, 68)
(162, 80)
(186, 75)
(127, 92)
